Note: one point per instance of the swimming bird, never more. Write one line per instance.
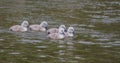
(59, 35)
(55, 30)
(70, 32)
(20, 28)
(39, 27)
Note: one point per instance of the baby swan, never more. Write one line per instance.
(42, 27)
(56, 30)
(70, 32)
(20, 28)
(59, 35)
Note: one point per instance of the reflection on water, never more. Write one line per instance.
(96, 23)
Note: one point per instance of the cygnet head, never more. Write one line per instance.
(63, 26)
(44, 24)
(25, 23)
(61, 30)
(70, 31)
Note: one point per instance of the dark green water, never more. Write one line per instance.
(96, 23)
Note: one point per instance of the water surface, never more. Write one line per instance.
(96, 23)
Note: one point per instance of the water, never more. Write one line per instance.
(96, 23)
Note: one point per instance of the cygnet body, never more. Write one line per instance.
(70, 32)
(55, 30)
(59, 35)
(39, 27)
(20, 28)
